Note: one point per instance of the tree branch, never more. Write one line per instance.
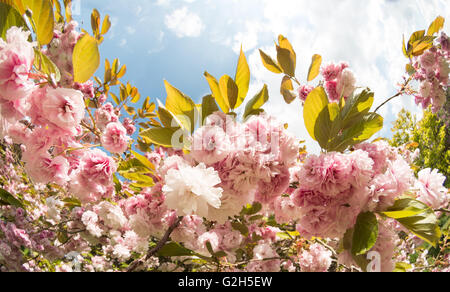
(154, 250)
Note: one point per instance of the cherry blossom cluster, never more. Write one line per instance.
(432, 72)
(50, 122)
(239, 192)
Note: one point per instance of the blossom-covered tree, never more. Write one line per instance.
(202, 188)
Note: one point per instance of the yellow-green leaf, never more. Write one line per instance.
(242, 78)
(229, 90)
(142, 159)
(436, 26)
(215, 89)
(270, 63)
(286, 90)
(142, 179)
(253, 107)
(46, 66)
(286, 60)
(314, 69)
(418, 218)
(181, 106)
(160, 136)
(404, 208)
(43, 18)
(285, 44)
(209, 107)
(316, 103)
(168, 119)
(365, 233)
(9, 17)
(356, 107)
(95, 22)
(86, 58)
(106, 25)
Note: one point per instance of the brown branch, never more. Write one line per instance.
(132, 267)
(400, 93)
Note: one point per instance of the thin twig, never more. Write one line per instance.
(154, 250)
(400, 93)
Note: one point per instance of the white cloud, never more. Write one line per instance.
(123, 43)
(184, 23)
(367, 34)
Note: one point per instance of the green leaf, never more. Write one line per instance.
(142, 179)
(173, 249)
(316, 116)
(46, 66)
(181, 106)
(371, 124)
(287, 90)
(242, 228)
(160, 136)
(143, 160)
(423, 224)
(10, 199)
(402, 268)
(134, 166)
(242, 78)
(95, 22)
(270, 63)
(255, 104)
(250, 210)
(314, 69)
(71, 202)
(356, 107)
(86, 58)
(416, 36)
(436, 26)
(405, 52)
(410, 69)
(365, 233)
(106, 25)
(404, 208)
(43, 18)
(229, 90)
(9, 17)
(168, 119)
(286, 61)
(215, 89)
(209, 107)
(285, 44)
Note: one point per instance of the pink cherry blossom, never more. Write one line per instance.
(115, 139)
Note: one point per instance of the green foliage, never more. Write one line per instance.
(242, 78)
(286, 63)
(86, 58)
(8, 199)
(420, 41)
(314, 69)
(42, 19)
(9, 17)
(181, 106)
(365, 233)
(159, 136)
(417, 217)
(254, 105)
(431, 136)
(45, 65)
(338, 127)
(287, 90)
(173, 249)
(209, 107)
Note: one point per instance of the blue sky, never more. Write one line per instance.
(177, 40)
